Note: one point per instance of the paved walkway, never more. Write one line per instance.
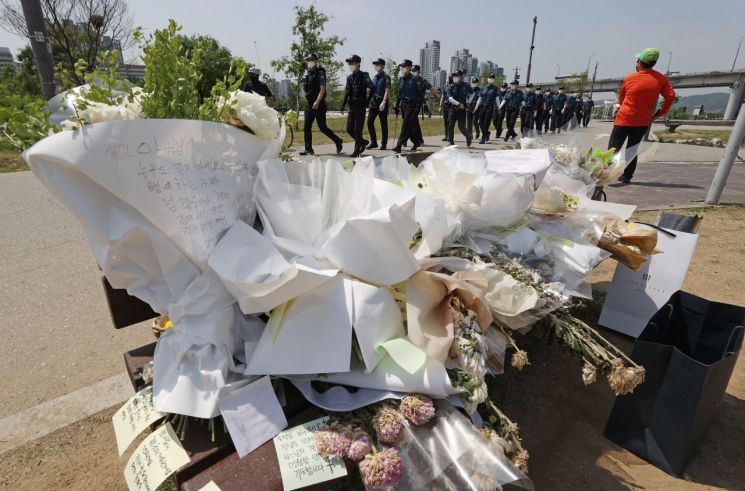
(668, 174)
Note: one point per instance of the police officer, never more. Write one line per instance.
(458, 96)
(587, 110)
(569, 111)
(499, 115)
(424, 86)
(527, 112)
(578, 111)
(558, 102)
(540, 110)
(357, 94)
(445, 108)
(472, 116)
(314, 85)
(410, 89)
(253, 84)
(547, 96)
(427, 90)
(511, 104)
(486, 105)
(379, 105)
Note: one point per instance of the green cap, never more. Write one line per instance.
(648, 55)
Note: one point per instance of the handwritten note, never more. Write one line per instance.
(299, 463)
(133, 417)
(158, 456)
(192, 179)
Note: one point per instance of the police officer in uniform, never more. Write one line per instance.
(547, 96)
(445, 107)
(540, 110)
(558, 102)
(253, 84)
(427, 89)
(499, 115)
(410, 89)
(487, 105)
(569, 111)
(357, 94)
(472, 117)
(511, 104)
(379, 105)
(587, 110)
(314, 86)
(458, 96)
(579, 107)
(528, 111)
(416, 135)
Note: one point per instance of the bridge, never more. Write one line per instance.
(735, 80)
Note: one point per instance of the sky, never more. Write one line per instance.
(702, 36)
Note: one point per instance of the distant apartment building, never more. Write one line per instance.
(429, 61)
(491, 67)
(464, 60)
(283, 88)
(6, 58)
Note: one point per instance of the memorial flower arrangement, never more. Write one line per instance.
(398, 289)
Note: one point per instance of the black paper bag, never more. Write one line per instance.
(689, 349)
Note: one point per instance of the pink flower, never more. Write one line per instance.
(333, 440)
(417, 408)
(381, 471)
(388, 424)
(361, 446)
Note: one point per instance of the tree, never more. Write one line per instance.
(577, 83)
(308, 30)
(213, 63)
(77, 29)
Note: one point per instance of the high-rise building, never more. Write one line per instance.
(491, 67)
(6, 59)
(463, 60)
(429, 61)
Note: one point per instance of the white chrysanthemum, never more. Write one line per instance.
(97, 112)
(252, 110)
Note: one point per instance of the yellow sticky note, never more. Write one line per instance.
(158, 456)
(134, 416)
(299, 464)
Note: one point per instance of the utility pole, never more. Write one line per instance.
(736, 54)
(736, 139)
(592, 84)
(669, 60)
(532, 46)
(37, 32)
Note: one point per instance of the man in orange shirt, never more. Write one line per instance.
(638, 99)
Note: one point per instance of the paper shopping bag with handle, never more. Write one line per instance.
(689, 349)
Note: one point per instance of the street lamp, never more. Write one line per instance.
(669, 60)
(587, 71)
(558, 70)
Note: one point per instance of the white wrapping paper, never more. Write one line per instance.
(153, 196)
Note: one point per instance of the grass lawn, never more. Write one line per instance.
(430, 126)
(11, 161)
(671, 136)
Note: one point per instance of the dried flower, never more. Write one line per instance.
(361, 446)
(477, 394)
(520, 459)
(388, 424)
(333, 440)
(382, 470)
(589, 373)
(623, 379)
(417, 408)
(520, 359)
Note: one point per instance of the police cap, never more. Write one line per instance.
(407, 63)
(311, 57)
(475, 80)
(353, 59)
(379, 61)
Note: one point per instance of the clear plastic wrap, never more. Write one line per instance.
(451, 453)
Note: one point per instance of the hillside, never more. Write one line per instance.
(714, 102)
